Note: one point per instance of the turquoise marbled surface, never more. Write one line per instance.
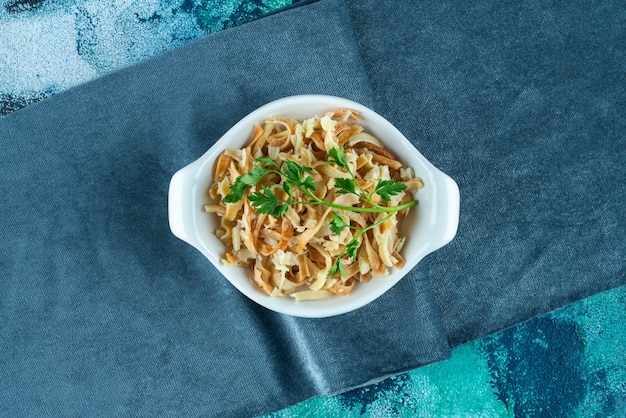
(571, 362)
(48, 46)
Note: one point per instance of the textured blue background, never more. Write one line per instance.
(567, 363)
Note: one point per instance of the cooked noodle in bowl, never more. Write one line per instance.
(309, 205)
(312, 250)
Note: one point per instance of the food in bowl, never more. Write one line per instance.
(312, 207)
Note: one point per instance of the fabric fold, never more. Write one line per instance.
(103, 309)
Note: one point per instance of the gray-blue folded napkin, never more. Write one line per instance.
(104, 312)
(524, 104)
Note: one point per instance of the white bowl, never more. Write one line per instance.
(430, 225)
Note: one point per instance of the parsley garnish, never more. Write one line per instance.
(242, 182)
(339, 157)
(344, 186)
(267, 202)
(337, 224)
(351, 249)
(387, 188)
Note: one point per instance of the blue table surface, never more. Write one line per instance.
(570, 362)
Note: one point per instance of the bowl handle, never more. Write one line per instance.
(180, 203)
(452, 196)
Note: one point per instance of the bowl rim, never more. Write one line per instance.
(184, 186)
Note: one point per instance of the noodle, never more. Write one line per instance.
(292, 255)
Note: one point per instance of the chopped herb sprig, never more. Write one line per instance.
(337, 225)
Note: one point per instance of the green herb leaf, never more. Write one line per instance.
(294, 173)
(288, 188)
(337, 267)
(308, 183)
(352, 248)
(266, 202)
(338, 156)
(236, 192)
(240, 184)
(344, 186)
(387, 188)
(337, 224)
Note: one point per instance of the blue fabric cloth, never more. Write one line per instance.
(104, 312)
